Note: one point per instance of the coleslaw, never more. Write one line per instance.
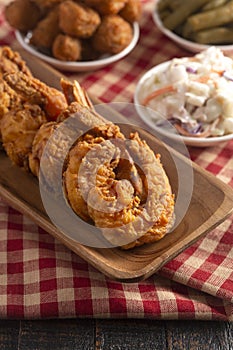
(195, 94)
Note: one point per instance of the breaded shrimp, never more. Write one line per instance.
(18, 128)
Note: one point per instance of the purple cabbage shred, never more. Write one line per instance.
(191, 70)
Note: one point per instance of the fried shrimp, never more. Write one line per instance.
(8, 99)
(124, 218)
(74, 160)
(32, 90)
(75, 98)
(114, 182)
(119, 185)
(26, 104)
(39, 142)
(11, 62)
(19, 127)
(98, 193)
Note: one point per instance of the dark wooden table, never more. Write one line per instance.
(89, 334)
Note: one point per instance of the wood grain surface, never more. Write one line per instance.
(89, 334)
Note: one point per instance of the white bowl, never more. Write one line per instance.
(80, 66)
(168, 131)
(186, 44)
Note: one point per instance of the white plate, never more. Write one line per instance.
(79, 66)
(169, 132)
(186, 44)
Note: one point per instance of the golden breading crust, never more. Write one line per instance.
(74, 160)
(117, 184)
(19, 127)
(132, 11)
(107, 7)
(38, 145)
(8, 99)
(78, 20)
(46, 30)
(43, 21)
(26, 104)
(12, 62)
(128, 212)
(34, 91)
(112, 35)
(22, 14)
(45, 5)
(67, 48)
(99, 194)
(139, 221)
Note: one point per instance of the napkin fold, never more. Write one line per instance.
(41, 278)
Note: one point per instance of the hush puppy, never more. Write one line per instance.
(112, 35)
(132, 10)
(22, 15)
(67, 48)
(106, 7)
(46, 30)
(78, 20)
(45, 5)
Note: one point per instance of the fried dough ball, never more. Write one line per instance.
(132, 10)
(107, 7)
(113, 35)
(45, 5)
(67, 48)
(78, 20)
(22, 15)
(46, 30)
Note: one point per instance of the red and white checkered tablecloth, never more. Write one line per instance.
(41, 278)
